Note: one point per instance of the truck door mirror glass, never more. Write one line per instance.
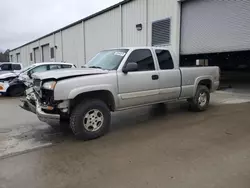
(130, 67)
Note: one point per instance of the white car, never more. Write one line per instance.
(14, 84)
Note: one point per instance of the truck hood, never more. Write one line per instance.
(67, 73)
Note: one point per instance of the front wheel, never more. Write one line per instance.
(201, 99)
(90, 119)
(16, 91)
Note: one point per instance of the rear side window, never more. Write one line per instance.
(54, 67)
(165, 60)
(16, 67)
(143, 58)
(5, 67)
(66, 66)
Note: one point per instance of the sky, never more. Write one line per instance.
(22, 21)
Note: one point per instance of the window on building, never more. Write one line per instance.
(11, 58)
(161, 32)
(165, 60)
(16, 67)
(143, 58)
(52, 53)
(31, 56)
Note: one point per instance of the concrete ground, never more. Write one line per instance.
(145, 148)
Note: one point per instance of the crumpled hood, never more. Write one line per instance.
(8, 75)
(67, 73)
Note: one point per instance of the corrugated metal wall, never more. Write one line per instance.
(134, 13)
(102, 32)
(215, 26)
(115, 28)
(73, 45)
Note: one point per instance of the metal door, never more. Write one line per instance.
(37, 55)
(45, 53)
(215, 26)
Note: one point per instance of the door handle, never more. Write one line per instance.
(155, 77)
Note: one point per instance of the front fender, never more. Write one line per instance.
(77, 91)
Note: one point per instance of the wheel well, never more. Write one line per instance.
(105, 96)
(13, 86)
(207, 83)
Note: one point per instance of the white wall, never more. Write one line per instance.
(73, 45)
(162, 9)
(134, 13)
(111, 29)
(102, 32)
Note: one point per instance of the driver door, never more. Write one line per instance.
(142, 86)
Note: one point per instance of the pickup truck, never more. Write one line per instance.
(7, 67)
(114, 80)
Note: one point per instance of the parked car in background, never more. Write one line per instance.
(115, 80)
(6, 67)
(14, 84)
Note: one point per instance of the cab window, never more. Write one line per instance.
(66, 66)
(5, 67)
(16, 67)
(165, 60)
(143, 58)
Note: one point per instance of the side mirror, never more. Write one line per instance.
(130, 67)
(29, 74)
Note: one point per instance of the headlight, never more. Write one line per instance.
(49, 85)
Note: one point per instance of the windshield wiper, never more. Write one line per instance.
(95, 67)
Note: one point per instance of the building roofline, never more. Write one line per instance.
(77, 22)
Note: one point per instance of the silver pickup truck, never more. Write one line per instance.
(115, 80)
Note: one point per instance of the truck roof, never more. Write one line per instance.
(144, 47)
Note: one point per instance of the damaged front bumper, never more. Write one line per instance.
(33, 105)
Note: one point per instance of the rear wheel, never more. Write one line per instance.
(201, 99)
(16, 91)
(90, 119)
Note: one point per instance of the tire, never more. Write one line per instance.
(16, 91)
(201, 99)
(90, 119)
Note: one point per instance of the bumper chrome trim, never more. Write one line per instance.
(42, 116)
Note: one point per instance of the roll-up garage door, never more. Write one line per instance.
(37, 55)
(46, 53)
(209, 26)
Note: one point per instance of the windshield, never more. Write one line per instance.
(27, 68)
(107, 60)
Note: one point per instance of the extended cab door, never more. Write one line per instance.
(140, 86)
(169, 76)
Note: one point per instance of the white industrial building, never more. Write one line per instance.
(188, 26)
